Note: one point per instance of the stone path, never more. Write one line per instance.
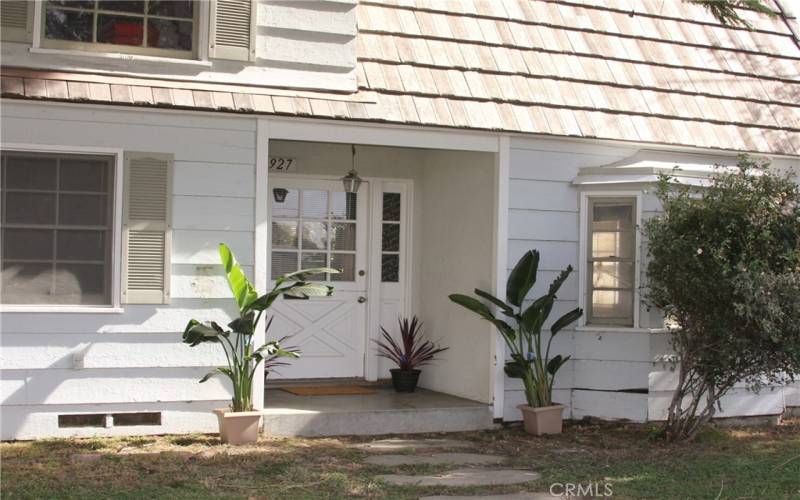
(474, 469)
(412, 444)
(471, 476)
(436, 459)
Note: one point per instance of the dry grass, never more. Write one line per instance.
(729, 463)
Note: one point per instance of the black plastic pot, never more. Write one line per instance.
(405, 380)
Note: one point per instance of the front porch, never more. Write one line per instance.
(384, 411)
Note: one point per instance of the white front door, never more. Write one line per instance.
(316, 224)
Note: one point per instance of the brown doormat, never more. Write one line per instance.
(327, 390)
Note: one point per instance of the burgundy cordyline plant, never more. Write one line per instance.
(412, 351)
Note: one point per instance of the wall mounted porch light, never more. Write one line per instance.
(279, 194)
(352, 181)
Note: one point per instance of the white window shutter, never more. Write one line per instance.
(16, 20)
(147, 228)
(233, 30)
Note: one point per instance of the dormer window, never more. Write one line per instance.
(149, 27)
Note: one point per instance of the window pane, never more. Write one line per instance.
(81, 245)
(315, 236)
(612, 306)
(613, 244)
(612, 275)
(344, 205)
(83, 175)
(82, 209)
(289, 207)
(81, 284)
(346, 263)
(612, 217)
(312, 260)
(120, 30)
(390, 238)
(390, 268)
(391, 206)
(30, 208)
(171, 8)
(315, 204)
(343, 236)
(34, 244)
(23, 172)
(284, 234)
(74, 4)
(283, 263)
(27, 284)
(169, 34)
(69, 25)
(122, 6)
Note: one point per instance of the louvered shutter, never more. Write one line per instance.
(146, 237)
(233, 30)
(16, 20)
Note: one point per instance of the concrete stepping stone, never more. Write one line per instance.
(472, 476)
(507, 496)
(436, 459)
(413, 444)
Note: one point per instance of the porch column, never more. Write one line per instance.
(261, 244)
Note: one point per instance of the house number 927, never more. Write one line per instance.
(281, 164)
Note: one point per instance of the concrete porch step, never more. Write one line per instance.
(384, 412)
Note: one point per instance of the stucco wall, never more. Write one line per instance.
(457, 234)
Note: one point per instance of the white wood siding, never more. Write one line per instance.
(612, 373)
(134, 361)
(303, 44)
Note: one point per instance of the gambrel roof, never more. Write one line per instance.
(654, 71)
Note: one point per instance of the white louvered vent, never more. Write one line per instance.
(233, 27)
(147, 234)
(15, 17)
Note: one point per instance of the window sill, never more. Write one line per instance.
(62, 309)
(105, 56)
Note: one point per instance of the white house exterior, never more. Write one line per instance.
(482, 129)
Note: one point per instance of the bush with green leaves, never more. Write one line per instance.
(529, 352)
(237, 341)
(724, 267)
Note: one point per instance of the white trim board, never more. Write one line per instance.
(116, 250)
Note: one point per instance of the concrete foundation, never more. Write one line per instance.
(384, 412)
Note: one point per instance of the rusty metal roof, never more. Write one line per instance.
(655, 71)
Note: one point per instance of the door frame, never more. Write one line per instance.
(372, 256)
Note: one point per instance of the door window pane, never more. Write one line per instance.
(284, 234)
(391, 206)
(390, 268)
(289, 204)
(315, 236)
(315, 204)
(343, 205)
(283, 263)
(343, 236)
(311, 260)
(346, 264)
(390, 238)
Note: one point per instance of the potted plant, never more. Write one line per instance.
(411, 353)
(530, 355)
(239, 423)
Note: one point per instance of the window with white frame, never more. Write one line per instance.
(57, 228)
(151, 27)
(611, 261)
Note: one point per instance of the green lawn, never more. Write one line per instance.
(723, 463)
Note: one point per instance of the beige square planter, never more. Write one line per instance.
(238, 427)
(545, 420)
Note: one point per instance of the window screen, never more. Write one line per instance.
(57, 227)
(611, 261)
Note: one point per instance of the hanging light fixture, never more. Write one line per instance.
(352, 181)
(279, 194)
